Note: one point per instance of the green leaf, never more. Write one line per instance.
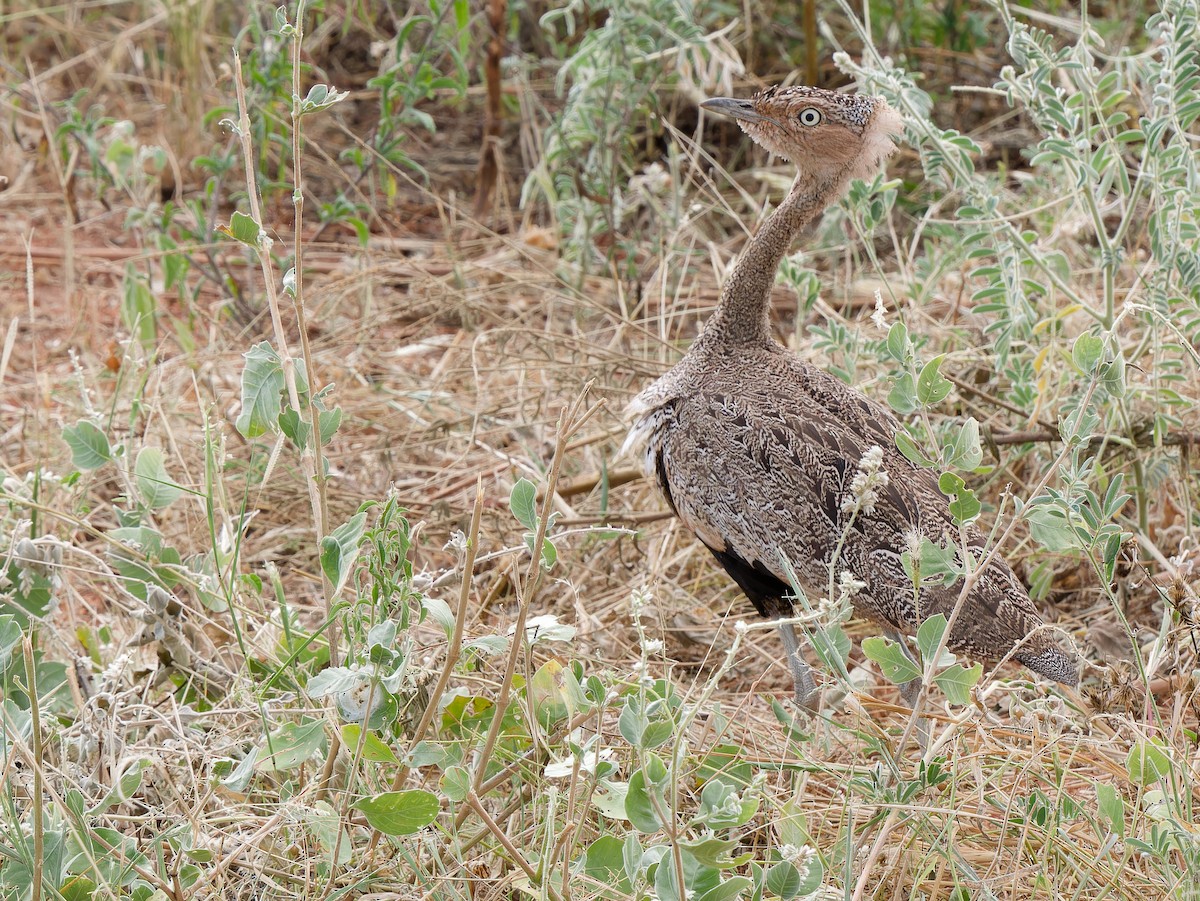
(456, 783)
(291, 745)
(791, 824)
(361, 230)
(1115, 497)
(548, 693)
(604, 861)
(642, 730)
(89, 446)
(76, 888)
(1147, 763)
(262, 383)
(245, 229)
(633, 855)
(400, 813)
(903, 396)
(832, 646)
(294, 428)
(334, 679)
(728, 763)
(610, 801)
(892, 660)
(439, 611)
(908, 447)
(1049, 527)
(950, 484)
(321, 97)
(732, 888)
(1112, 807)
(966, 452)
(156, 488)
(633, 720)
(175, 265)
(1086, 352)
(374, 748)
(462, 17)
(1112, 374)
(325, 824)
(548, 627)
(10, 637)
(1057, 262)
(658, 733)
(646, 796)
(138, 309)
(238, 778)
(812, 877)
(115, 855)
(666, 878)
(936, 563)
(329, 421)
(957, 681)
(932, 386)
(125, 788)
(432, 753)
(722, 805)
(339, 550)
(714, 852)
(142, 558)
(929, 636)
(783, 879)
(521, 502)
(966, 507)
(898, 344)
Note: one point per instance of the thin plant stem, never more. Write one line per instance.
(37, 809)
(309, 464)
(322, 508)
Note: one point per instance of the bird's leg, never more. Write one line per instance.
(910, 691)
(806, 687)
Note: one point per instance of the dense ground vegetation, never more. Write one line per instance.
(320, 576)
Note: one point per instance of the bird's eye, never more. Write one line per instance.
(810, 115)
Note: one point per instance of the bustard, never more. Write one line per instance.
(756, 451)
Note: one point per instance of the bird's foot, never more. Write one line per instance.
(808, 697)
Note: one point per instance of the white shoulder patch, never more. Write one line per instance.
(639, 441)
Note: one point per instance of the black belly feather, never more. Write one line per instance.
(766, 591)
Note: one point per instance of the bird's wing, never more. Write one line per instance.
(759, 476)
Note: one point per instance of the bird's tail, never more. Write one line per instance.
(1051, 661)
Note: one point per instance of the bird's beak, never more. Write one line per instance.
(735, 109)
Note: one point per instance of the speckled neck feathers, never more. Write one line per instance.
(743, 315)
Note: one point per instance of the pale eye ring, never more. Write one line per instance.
(810, 116)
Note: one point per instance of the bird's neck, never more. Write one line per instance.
(743, 313)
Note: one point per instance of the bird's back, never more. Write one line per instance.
(757, 452)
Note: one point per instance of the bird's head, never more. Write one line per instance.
(826, 134)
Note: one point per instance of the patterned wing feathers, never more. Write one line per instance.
(759, 470)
